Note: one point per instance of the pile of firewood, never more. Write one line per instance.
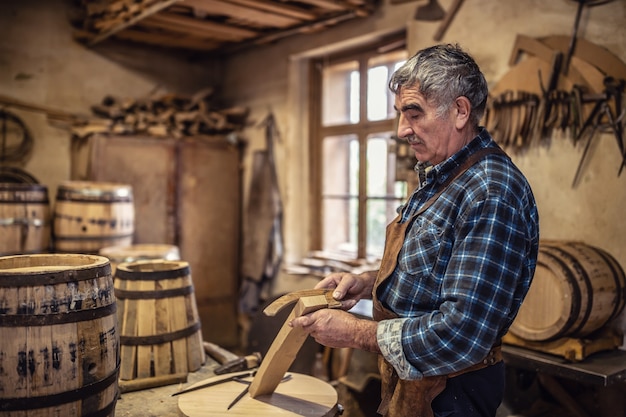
(169, 115)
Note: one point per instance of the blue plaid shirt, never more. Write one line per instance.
(464, 268)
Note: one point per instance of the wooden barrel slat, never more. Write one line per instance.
(89, 216)
(24, 219)
(577, 290)
(60, 344)
(160, 330)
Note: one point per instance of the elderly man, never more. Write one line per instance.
(458, 259)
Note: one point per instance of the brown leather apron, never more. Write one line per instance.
(402, 398)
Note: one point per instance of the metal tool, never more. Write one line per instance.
(613, 91)
(242, 363)
(243, 393)
(239, 397)
(234, 377)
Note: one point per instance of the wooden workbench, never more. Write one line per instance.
(158, 402)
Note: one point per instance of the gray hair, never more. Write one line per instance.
(444, 72)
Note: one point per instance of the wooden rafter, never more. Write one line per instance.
(211, 24)
(177, 23)
(239, 12)
(271, 6)
(167, 40)
(327, 4)
(155, 8)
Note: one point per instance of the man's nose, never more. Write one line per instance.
(404, 128)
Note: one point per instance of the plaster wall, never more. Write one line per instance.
(41, 64)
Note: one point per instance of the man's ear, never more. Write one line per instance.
(463, 110)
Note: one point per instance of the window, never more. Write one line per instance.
(356, 185)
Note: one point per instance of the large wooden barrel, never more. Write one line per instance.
(577, 289)
(59, 349)
(89, 216)
(160, 330)
(140, 252)
(24, 219)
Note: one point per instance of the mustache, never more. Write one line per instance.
(412, 139)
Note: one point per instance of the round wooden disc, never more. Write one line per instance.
(302, 395)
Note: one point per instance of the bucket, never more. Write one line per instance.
(139, 252)
(89, 216)
(160, 330)
(576, 290)
(59, 350)
(24, 219)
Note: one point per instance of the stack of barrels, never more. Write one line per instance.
(87, 217)
(70, 328)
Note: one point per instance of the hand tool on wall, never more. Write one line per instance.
(596, 119)
(545, 105)
(572, 45)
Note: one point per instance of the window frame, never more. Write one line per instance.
(363, 129)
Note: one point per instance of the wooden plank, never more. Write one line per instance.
(284, 348)
(147, 12)
(162, 351)
(178, 321)
(272, 6)
(168, 40)
(243, 13)
(149, 166)
(209, 213)
(327, 4)
(183, 24)
(128, 353)
(145, 327)
(195, 348)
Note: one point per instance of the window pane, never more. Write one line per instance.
(340, 166)
(340, 94)
(340, 189)
(381, 167)
(376, 93)
(379, 214)
(340, 225)
(379, 98)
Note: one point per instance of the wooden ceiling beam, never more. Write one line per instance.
(327, 4)
(242, 13)
(167, 40)
(283, 9)
(150, 10)
(178, 23)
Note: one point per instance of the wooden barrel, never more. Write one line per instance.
(24, 219)
(59, 349)
(576, 290)
(160, 330)
(89, 216)
(139, 252)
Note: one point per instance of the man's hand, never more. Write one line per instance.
(339, 329)
(349, 288)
